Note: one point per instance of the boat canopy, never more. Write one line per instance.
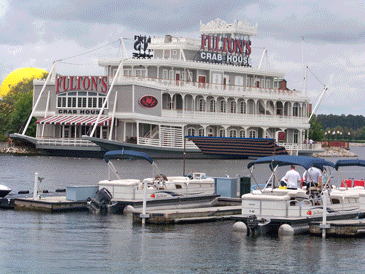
(351, 162)
(285, 160)
(117, 154)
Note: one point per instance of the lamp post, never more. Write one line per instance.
(349, 134)
(334, 133)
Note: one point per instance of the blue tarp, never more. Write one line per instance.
(118, 154)
(285, 160)
(351, 162)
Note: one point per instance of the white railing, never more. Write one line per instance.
(156, 143)
(149, 141)
(180, 84)
(290, 147)
(223, 116)
(65, 142)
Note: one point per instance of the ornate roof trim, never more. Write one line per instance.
(221, 26)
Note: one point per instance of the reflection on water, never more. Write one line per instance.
(32, 242)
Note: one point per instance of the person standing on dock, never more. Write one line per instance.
(292, 177)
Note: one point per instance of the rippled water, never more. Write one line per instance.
(32, 242)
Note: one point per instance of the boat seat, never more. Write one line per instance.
(348, 183)
(359, 183)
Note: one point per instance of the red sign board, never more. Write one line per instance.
(148, 101)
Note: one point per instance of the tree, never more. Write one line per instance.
(16, 108)
(315, 131)
(20, 115)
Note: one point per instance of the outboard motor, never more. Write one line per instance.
(99, 204)
(252, 224)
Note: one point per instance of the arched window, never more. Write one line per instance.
(243, 107)
(233, 133)
(191, 131)
(222, 106)
(242, 133)
(212, 105)
(201, 105)
(296, 109)
(201, 132)
(222, 133)
(252, 133)
(233, 106)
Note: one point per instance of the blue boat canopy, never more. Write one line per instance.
(285, 160)
(118, 154)
(351, 162)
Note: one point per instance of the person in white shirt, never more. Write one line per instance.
(292, 177)
(311, 177)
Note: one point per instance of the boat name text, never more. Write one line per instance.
(218, 49)
(80, 111)
(84, 83)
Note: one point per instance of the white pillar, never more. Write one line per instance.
(35, 191)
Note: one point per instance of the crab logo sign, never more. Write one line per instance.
(148, 101)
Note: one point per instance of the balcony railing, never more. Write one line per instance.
(183, 84)
(223, 116)
(65, 142)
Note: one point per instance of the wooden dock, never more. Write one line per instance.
(49, 204)
(338, 228)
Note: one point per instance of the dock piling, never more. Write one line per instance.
(35, 192)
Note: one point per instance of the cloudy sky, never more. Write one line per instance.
(328, 35)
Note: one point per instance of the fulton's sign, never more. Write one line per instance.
(82, 83)
(219, 49)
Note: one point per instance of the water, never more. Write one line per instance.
(32, 242)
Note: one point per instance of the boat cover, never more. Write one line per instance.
(116, 154)
(285, 160)
(351, 162)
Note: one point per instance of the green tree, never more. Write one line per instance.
(315, 131)
(20, 115)
(361, 134)
(16, 108)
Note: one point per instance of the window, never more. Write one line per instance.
(165, 74)
(252, 134)
(222, 106)
(296, 137)
(127, 72)
(243, 107)
(81, 99)
(140, 72)
(201, 132)
(242, 133)
(174, 52)
(233, 106)
(238, 80)
(222, 133)
(212, 105)
(201, 105)
(296, 109)
(191, 131)
(233, 133)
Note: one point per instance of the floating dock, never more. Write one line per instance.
(188, 215)
(338, 228)
(262, 225)
(222, 209)
(49, 204)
